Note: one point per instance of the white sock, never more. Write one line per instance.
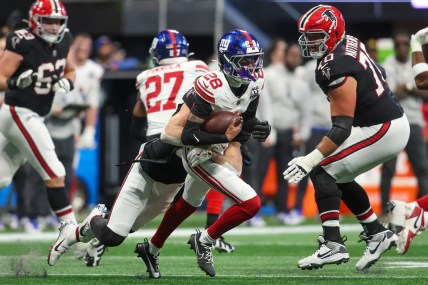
(205, 238)
(153, 249)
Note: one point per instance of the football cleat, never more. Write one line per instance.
(376, 245)
(203, 253)
(396, 212)
(414, 224)
(85, 233)
(94, 252)
(151, 261)
(65, 239)
(223, 246)
(328, 252)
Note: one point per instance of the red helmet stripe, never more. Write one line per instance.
(250, 40)
(308, 14)
(174, 43)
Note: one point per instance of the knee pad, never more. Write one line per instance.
(104, 234)
(4, 182)
(324, 184)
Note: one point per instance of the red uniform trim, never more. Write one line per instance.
(30, 141)
(329, 216)
(358, 146)
(205, 94)
(362, 217)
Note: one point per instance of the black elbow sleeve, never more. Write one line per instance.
(193, 136)
(139, 128)
(342, 126)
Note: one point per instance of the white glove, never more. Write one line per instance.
(219, 147)
(63, 86)
(300, 166)
(419, 39)
(87, 139)
(23, 81)
(198, 155)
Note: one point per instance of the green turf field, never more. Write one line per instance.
(259, 259)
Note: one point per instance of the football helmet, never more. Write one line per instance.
(322, 28)
(169, 47)
(240, 56)
(42, 16)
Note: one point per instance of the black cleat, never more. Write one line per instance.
(203, 253)
(151, 261)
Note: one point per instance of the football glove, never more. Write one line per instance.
(261, 131)
(219, 147)
(198, 155)
(22, 81)
(63, 86)
(419, 39)
(300, 166)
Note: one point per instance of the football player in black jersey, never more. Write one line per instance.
(33, 67)
(369, 127)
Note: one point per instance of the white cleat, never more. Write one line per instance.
(396, 212)
(66, 238)
(376, 245)
(85, 233)
(328, 252)
(414, 224)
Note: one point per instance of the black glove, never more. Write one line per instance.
(261, 131)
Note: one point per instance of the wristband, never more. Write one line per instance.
(314, 157)
(419, 68)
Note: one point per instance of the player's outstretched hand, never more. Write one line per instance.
(422, 36)
(63, 86)
(198, 155)
(22, 81)
(300, 166)
(234, 129)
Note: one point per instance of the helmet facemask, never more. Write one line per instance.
(50, 30)
(244, 68)
(313, 43)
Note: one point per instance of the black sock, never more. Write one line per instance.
(373, 227)
(332, 234)
(58, 198)
(211, 218)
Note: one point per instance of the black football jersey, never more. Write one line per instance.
(47, 61)
(166, 167)
(375, 102)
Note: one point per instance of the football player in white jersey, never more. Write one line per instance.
(146, 190)
(235, 87)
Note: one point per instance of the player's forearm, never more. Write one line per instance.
(171, 134)
(91, 117)
(327, 146)
(231, 158)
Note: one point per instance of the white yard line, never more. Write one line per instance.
(313, 229)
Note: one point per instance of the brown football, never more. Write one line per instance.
(218, 122)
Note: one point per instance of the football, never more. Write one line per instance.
(218, 122)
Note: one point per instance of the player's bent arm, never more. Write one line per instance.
(171, 134)
(342, 108)
(9, 63)
(420, 70)
(231, 158)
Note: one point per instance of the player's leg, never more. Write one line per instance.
(11, 158)
(364, 149)
(225, 179)
(331, 248)
(29, 133)
(214, 206)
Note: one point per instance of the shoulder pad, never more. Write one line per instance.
(20, 41)
(203, 87)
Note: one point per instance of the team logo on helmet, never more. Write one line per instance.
(329, 15)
